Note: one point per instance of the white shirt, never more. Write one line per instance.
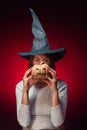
(39, 114)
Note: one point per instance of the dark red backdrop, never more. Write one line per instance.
(65, 27)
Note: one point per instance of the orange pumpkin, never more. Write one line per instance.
(40, 71)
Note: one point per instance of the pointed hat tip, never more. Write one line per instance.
(32, 13)
(31, 10)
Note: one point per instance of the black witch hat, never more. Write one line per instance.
(40, 43)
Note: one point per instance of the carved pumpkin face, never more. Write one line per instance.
(40, 71)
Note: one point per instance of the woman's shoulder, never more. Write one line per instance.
(61, 81)
(19, 85)
(61, 84)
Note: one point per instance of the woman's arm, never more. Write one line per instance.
(59, 98)
(55, 98)
(23, 107)
(22, 96)
(25, 98)
(59, 103)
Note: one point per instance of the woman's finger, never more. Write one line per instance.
(52, 73)
(32, 81)
(52, 70)
(45, 80)
(30, 77)
(27, 73)
(48, 78)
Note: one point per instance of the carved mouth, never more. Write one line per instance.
(41, 73)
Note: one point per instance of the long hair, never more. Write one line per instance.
(52, 63)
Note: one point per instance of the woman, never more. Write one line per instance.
(41, 103)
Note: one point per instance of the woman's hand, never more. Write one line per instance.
(27, 80)
(51, 81)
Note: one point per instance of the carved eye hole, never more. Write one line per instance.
(44, 70)
(37, 70)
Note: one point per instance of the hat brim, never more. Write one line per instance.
(57, 54)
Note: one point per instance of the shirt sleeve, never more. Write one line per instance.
(58, 112)
(23, 111)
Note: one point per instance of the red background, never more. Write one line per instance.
(65, 26)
